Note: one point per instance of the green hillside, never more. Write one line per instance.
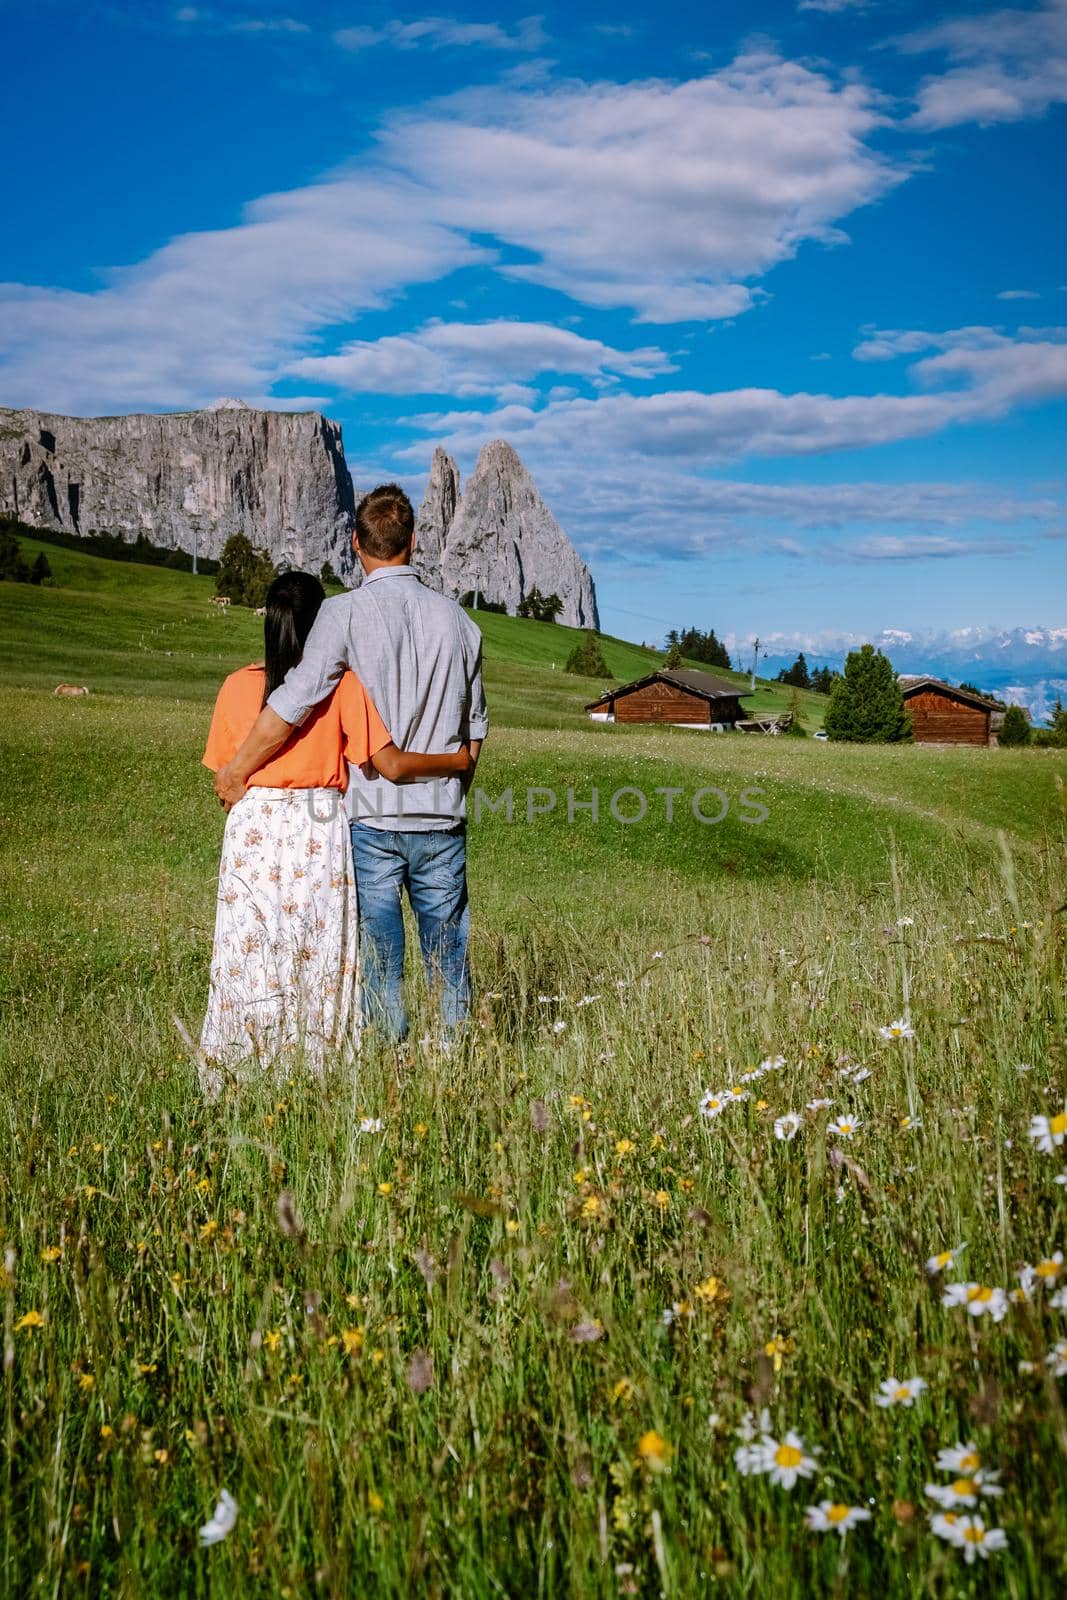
(125, 628)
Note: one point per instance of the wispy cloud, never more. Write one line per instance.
(474, 359)
(442, 33)
(217, 22)
(1018, 294)
(833, 5)
(664, 198)
(659, 198)
(1005, 65)
(963, 382)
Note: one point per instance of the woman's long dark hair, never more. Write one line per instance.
(293, 602)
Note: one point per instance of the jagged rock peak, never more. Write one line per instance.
(435, 518)
(504, 541)
(228, 403)
(179, 477)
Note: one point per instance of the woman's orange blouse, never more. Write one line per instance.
(345, 727)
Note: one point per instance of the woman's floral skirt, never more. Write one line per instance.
(284, 969)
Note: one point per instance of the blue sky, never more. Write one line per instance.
(771, 299)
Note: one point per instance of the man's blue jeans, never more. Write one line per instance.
(432, 867)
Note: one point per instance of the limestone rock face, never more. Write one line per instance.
(435, 519)
(279, 477)
(504, 541)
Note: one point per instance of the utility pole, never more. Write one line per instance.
(196, 542)
(755, 659)
(477, 596)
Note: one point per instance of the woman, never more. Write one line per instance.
(283, 967)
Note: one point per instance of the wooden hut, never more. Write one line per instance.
(943, 714)
(683, 697)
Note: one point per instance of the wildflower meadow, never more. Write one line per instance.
(723, 1254)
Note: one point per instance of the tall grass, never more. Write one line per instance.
(442, 1367)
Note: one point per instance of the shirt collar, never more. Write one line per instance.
(389, 572)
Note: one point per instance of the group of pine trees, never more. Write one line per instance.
(689, 644)
(14, 568)
(540, 607)
(801, 676)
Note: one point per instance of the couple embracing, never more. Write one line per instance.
(344, 761)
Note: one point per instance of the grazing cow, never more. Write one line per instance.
(261, 611)
(220, 599)
(69, 688)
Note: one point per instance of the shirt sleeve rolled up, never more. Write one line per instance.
(319, 669)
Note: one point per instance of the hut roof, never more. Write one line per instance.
(912, 683)
(688, 678)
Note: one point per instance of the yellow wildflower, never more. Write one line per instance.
(32, 1319)
(50, 1253)
(654, 1451)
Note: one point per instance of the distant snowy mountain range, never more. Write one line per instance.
(1025, 666)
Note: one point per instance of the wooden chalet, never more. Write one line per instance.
(681, 696)
(943, 714)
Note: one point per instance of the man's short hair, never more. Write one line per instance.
(385, 522)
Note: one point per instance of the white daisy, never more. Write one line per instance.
(905, 922)
(943, 1525)
(783, 1462)
(844, 1127)
(1058, 1301)
(223, 1520)
(788, 1461)
(895, 1392)
(964, 1491)
(558, 1026)
(959, 1458)
(831, 1517)
(750, 1427)
(906, 1123)
(1048, 1133)
(712, 1104)
(786, 1127)
(735, 1092)
(370, 1125)
(978, 1299)
(1057, 1359)
(975, 1539)
(819, 1105)
(946, 1258)
(772, 1064)
(1050, 1268)
(900, 1029)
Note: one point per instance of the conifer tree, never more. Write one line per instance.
(866, 704)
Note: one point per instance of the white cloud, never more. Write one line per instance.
(214, 22)
(963, 382)
(474, 359)
(1006, 65)
(656, 196)
(223, 312)
(652, 196)
(923, 547)
(1018, 294)
(833, 5)
(438, 33)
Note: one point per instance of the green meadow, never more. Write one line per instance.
(506, 1345)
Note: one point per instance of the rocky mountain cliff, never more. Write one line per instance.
(281, 478)
(499, 537)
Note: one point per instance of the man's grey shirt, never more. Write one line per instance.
(419, 657)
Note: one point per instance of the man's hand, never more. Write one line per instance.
(229, 786)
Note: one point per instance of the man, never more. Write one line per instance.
(419, 658)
